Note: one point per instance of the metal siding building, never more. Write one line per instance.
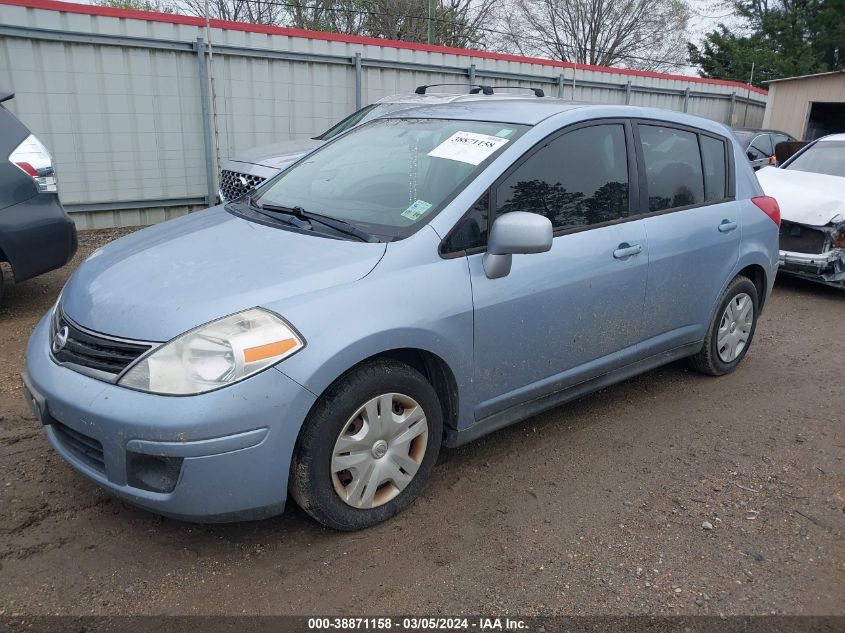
(807, 107)
(131, 103)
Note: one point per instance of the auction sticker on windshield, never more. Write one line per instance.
(418, 209)
(468, 147)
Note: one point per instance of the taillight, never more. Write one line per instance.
(769, 206)
(33, 159)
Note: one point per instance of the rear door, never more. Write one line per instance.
(574, 312)
(693, 228)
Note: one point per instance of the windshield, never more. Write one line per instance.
(367, 113)
(390, 175)
(825, 157)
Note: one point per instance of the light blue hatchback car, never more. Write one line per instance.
(421, 280)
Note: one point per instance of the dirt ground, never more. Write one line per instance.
(593, 508)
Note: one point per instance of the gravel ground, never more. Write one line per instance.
(671, 493)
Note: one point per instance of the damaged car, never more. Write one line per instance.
(810, 188)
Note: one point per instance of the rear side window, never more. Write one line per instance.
(761, 147)
(715, 168)
(576, 180)
(673, 167)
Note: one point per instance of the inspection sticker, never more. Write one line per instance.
(468, 147)
(418, 209)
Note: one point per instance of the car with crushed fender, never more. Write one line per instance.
(810, 188)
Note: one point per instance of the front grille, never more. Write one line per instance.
(85, 449)
(71, 344)
(802, 239)
(234, 184)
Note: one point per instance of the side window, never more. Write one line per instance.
(779, 138)
(673, 167)
(471, 232)
(578, 179)
(715, 168)
(761, 147)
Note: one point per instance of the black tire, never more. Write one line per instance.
(707, 361)
(311, 479)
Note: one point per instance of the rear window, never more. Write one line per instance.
(673, 167)
(713, 157)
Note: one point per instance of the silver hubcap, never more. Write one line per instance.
(379, 450)
(735, 328)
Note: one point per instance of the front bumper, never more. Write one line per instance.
(232, 447)
(827, 268)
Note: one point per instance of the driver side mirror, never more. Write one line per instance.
(518, 232)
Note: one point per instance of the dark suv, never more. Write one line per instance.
(760, 145)
(36, 235)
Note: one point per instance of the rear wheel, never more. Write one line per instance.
(368, 446)
(731, 330)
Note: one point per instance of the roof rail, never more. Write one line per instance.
(538, 92)
(474, 88)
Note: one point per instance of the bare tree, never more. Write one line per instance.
(460, 23)
(335, 16)
(254, 11)
(645, 34)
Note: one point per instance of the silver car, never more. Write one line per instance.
(252, 167)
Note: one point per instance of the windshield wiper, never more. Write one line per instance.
(341, 226)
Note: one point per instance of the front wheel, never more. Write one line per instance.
(731, 330)
(368, 447)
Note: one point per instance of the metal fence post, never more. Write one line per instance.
(731, 111)
(628, 93)
(207, 133)
(359, 80)
(686, 99)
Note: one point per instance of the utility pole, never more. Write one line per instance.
(431, 4)
(748, 96)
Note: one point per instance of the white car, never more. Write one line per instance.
(250, 168)
(810, 189)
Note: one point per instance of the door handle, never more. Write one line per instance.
(625, 250)
(727, 226)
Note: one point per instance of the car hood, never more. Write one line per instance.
(277, 155)
(162, 281)
(805, 197)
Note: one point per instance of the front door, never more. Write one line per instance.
(574, 312)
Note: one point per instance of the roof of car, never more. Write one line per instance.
(759, 130)
(833, 137)
(533, 111)
(525, 111)
(431, 98)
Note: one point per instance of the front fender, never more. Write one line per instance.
(408, 302)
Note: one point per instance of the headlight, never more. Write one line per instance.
(215, 355)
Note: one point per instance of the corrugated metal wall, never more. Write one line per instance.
(119, 100)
